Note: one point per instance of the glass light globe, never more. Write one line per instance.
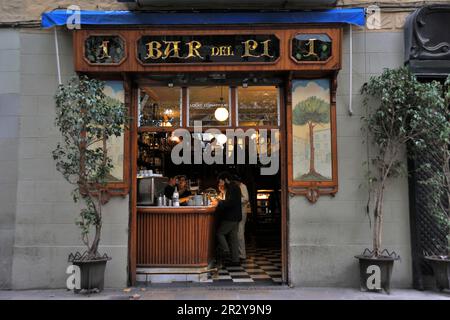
(221, 114)
(221, 139)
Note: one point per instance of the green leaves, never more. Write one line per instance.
(85, 116)
(400, 112)
(313, 110)
(405, 110)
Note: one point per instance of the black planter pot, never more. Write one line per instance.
(441, 270)
(384, 264)
(92, 274)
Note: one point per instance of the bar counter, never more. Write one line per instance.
(175, 236)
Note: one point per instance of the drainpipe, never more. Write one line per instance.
(350, 107)
(58, 64)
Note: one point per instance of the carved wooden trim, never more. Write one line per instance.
(312, 190)
(125, 49)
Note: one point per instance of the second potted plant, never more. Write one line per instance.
(402, 107)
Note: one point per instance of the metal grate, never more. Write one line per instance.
(430, 236)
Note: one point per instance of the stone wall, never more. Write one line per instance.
(45, 232)
(30, 10)
(9, 136)
(325, 237)
(37, 228)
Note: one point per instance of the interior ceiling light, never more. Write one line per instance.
(221, 139)
(221, 114)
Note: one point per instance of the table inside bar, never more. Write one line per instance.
(175, 237)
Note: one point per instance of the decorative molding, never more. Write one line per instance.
(427, 41)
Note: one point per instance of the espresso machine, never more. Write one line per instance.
(149, 188)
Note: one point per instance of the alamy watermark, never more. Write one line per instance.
(74, 19)
(259, 147)
(374, 280)
(73, 281)
(373, 20)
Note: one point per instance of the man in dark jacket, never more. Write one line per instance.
(230, 214)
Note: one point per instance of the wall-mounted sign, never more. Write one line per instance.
(208, 49)
(104, 49)
(311, 47)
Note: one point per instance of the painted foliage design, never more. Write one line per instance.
(311, 130)
(114, 91)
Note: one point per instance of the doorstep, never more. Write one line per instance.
(173, 275)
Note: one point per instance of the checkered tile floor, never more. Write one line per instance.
(262, 266)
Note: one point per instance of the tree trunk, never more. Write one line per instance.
(376, 248)
(312, 168)
(93, 250)
(378, 220)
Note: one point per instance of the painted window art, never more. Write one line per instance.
(312, 139)
(311, 130)
(115, 145)
(114, 90)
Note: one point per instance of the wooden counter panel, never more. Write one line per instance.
(181, 237)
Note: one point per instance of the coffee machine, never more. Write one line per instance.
(149, 188)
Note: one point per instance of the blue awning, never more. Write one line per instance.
(60, 17)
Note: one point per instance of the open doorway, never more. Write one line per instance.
(253, 109)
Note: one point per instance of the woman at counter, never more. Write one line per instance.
(170, 187)
(183, 190)
(230, 214)
(179, 184)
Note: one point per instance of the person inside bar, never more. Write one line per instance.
(183, 190)
(245, 208)
(170, 188)
(230, 214)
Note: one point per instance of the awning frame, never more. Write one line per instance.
(60, 17)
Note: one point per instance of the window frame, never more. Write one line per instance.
(120, 188)
(181, 107)
(312, 190)
(231, 108)
(236, 107)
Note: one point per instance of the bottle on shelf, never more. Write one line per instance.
(176, 198)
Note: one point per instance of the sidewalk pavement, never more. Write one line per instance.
(225, 293)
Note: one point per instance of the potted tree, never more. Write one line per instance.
(437, 178)
(86, 117)
(400, 113)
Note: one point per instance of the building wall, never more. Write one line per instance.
(324, 237)
(37, 230)
(29, 11)
(9, 134)
(45, 232)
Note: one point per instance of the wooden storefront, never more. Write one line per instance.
(129, 54)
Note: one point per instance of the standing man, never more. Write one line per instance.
(230, 211)
(170, 187)
(245, 203)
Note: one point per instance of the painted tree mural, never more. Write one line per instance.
(312, 112)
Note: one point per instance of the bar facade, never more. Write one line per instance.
(323, 222)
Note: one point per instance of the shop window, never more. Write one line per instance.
(210, 105)
(312, 138)
(258, 106)
(160, 106)
(116, 147)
